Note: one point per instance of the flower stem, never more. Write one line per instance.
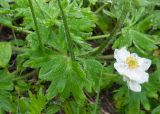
(101, 8)
(97, 37)
(105, 57)
(98, 92)
(36, 25)
(68, 36)
(14, 36)
(26, 75)
(18, 49)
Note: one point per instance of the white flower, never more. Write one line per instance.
(132, 67)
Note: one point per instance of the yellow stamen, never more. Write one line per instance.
(132, 62)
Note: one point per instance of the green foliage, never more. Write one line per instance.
(37, 104)
(6, 86)
(66, 76)
(32, 105)
(40, 78)
(5, 53)
(89, 65)
(156, 110)
(142, 42)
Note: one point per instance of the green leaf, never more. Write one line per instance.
(108, 76)
(145, 102)
(134, 104)
(56, 40)
(122, 41)
(156, 110)
(93, 1)
(152, 20)
(5, 86)
(22, 3)
(36, 58)
(93, 75)
(142, 42)
(35, 62)
(131, 101)
(52, 109)
(5, 53)
(5, 21)
(119, 7)
(82, 24)
(22, 85)
(5, 4)
(109, 13)
(103, 22)
(66, 76)
(149, 2)
(37, 103)
(5, 101)
(6, 81)
(22, 106)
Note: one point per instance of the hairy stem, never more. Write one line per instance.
(18, 49)
(68, 36)
(14, 36)
(36, 25)
(98, 92)
(97, 37)
(106, 57)
(101, 8)
(26, 75)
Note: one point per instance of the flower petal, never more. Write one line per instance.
(134, 86)
(144, 63)
(121, 54)
(137, 75)
(120, 67)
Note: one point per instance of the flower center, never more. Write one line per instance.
(132, 62)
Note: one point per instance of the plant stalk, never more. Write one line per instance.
(26, 75)
(105, 57)
(68, 36)
(98, 37)
(98, 93)
(99, 9)
(36, 25)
